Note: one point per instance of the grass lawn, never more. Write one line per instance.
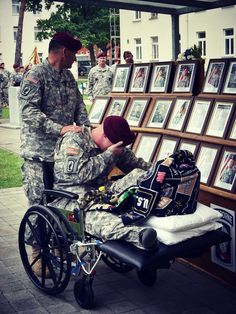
(10, 165)
(5, 113)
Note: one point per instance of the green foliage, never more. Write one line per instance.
(10, 165)
(5, 113)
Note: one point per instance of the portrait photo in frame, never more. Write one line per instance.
(220, 118)
(140, 77)
(117, 106)
(226, 172)
(179, 114)
(232, 130)
(166, 147)
(161, 77)
(206, 160)
(214, 76)
(185, 76)
(121, 78)
(160, 113)
(146, 146)
(189, 145)
(136, 110)
(198, 116)
(229, 85)
(98, 109)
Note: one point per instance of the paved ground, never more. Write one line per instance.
(179, 290)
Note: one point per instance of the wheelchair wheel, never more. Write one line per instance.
(147, 277)
(83, 292)
(44, 250)
(116, 264)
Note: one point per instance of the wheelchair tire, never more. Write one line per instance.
(116, 264)
(50, 270)
(147, 277)
(83, 292)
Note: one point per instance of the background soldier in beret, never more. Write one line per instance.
(4, 81)
(83, 162)
(50, 104)
(99, 78)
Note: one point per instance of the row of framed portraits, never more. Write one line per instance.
(197, 115)
(180, 77)
(217, 163)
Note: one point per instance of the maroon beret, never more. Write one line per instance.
(67, 40)
(15, 65)
(117, 129)
(101, 55)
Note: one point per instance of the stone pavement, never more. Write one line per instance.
(178, 290)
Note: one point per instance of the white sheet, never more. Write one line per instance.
(202, 216)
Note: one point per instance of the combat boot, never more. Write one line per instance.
(37, 267)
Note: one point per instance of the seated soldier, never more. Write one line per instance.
(83, 162)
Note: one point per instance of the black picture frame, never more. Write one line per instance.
(167, 146)
(192, 146)
(117, 106)
(146, 146)
(140, 77)
(136, 110)
(229, 85)
(160, 113)
(121, 78)
(185, 75)
(98, 109)
(161, 78)
(214, 76)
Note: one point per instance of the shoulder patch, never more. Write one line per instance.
(32, 79)
(72, 151)
(26, 90)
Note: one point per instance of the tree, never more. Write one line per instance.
(20, 31)
(90, 24)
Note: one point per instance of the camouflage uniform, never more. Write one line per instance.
(15, 79)
(80, 166)
(48, 99)
(99, 81)
(4, 80)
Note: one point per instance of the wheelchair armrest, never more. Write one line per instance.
(59, 193)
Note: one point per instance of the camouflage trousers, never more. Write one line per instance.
(32, 177)
(107, 226)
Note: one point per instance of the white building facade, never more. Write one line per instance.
(149, 35)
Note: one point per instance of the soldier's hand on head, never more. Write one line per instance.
(117, 149)
(70, 128)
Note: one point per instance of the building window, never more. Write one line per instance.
(36, 31)
(15, 29)
(138, 49)
(15, 7)
(40, 57)
(155, 48)
(229, 41)
(153, 15)
(201, 38)
(137, 15)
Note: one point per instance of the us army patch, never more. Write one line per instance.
(26, 90)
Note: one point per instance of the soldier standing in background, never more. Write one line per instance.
(16, 76)
(4, 81)
(99, 78)
(83, 162)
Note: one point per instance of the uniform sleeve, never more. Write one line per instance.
(90, 84)
(30, 98)
(129, 161)
(77, 163)
(81, 114)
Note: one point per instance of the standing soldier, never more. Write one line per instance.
(4, 80)
(16, 76)
(99, 78)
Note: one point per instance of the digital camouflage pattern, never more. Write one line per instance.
(4, 81)
(80, 166)
(99, 81)
(48, 100)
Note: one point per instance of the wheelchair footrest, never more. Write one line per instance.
(161, 257)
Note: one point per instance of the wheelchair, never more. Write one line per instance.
(65, 249)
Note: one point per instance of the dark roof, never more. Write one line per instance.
(174, 7)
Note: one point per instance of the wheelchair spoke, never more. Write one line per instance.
(34, 232)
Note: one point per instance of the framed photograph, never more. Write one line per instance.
(230, 81)
(98, 109)
(226, 172)
(140, 77)
(167, 147)
(137, 110)
(214, 76)
(206, 161)
(160, 113)
(161, 76)
(117, 106)
(232, 130)
(146, 146)
(220, 118)
(121, 78)
(189, 145)
(184, 76)
(198, 116)
(179, 114)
